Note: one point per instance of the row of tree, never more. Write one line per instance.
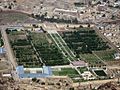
(84, 41)
(44, 17)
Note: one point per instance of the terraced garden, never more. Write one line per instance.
(25, 55)
(48, 51)
(63, 46)
(35, 49)
(83, 42)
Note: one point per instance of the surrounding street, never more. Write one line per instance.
(9, 51)
(95, 83)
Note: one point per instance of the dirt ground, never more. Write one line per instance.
(14, 18)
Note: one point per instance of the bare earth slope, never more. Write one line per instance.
(14, 18)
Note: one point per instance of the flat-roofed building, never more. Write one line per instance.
(21, 74)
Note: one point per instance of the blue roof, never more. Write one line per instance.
(2, 50)
(20, 69)
(46, 72)
(33, 75)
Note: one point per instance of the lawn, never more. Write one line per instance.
(82, 69)
(66, 72)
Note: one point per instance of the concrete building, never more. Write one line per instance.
(87, 75)
(2, 52)
(79, 63)
(21, 74)
(117, 56)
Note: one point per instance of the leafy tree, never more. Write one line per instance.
(34, 79)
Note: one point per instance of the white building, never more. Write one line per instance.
(87, 75)
(117, 56)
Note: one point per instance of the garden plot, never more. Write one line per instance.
(91, 59)
(61, 44)
(83, 42)
(82, 69)
(25, 55)
(107, 55)
(48, 51)
(66, 72)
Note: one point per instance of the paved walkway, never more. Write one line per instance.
(61, 47)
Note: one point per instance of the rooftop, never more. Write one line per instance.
(46, 73)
